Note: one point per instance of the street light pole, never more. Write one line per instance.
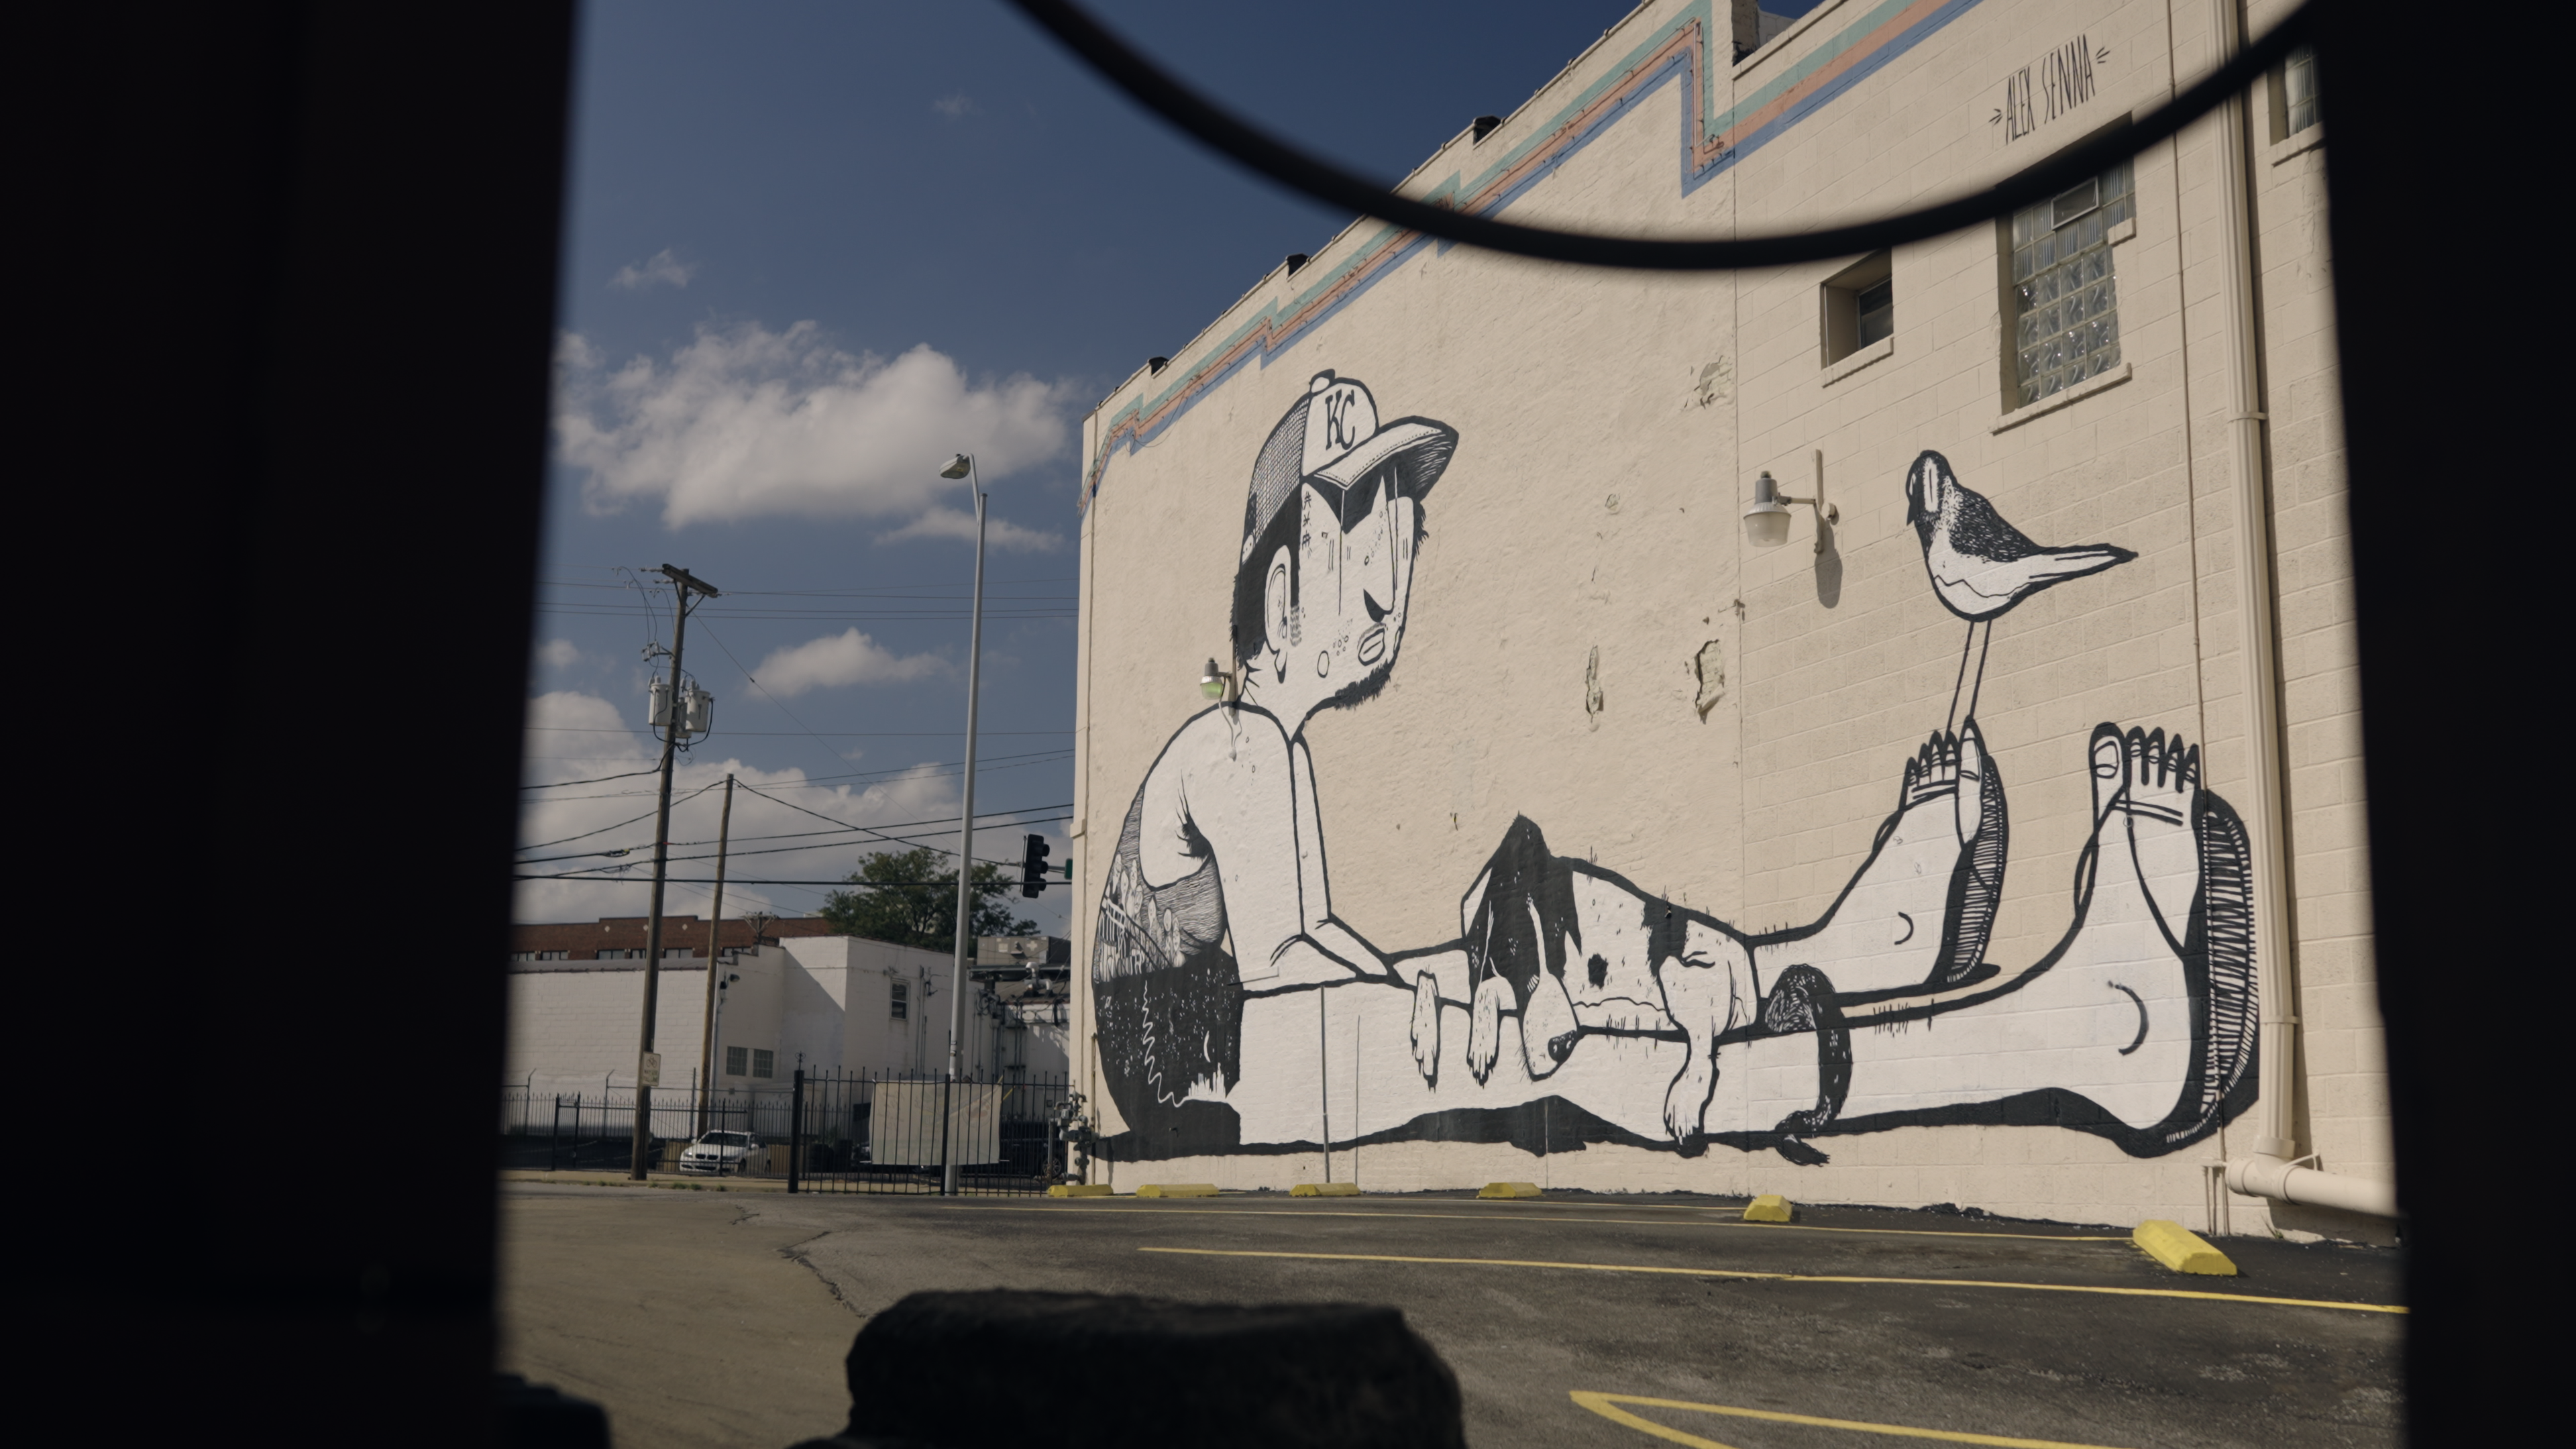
(675, 724)
(715, 961)
(963, 466)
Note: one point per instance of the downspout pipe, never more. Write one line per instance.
(2273, 1170)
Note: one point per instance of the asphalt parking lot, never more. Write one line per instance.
(703, 1318)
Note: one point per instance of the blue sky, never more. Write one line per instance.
(814, 248)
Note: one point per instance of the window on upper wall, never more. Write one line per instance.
(900, 1005)
(764, 1063)
(1860, 306)
(2064, 301)
(737, 1061)
(2294, 94)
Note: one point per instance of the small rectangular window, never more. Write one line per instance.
(523, 955)
(737, 1061)
(764, 1063)
(2062, 301)
(554, 955)
(902, 1002)
(1860, 306)
(2294, 94)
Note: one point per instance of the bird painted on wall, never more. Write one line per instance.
(1980, 564)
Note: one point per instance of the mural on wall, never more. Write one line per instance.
(1236, 1012)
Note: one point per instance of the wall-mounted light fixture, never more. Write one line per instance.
(1766, 519)
(1216, 683)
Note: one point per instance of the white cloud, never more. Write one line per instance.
(743, 422)
(959, 524)
(658, 270)
(838, 659)
(558, 654)
(960, 104)
(577, 736)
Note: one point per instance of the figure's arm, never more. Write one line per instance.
(1314, 885)
(1243, 801)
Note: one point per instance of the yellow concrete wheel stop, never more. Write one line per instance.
(1508, 1189)
(2181, 1249)
(1770, 1207)
(1079, 1189)
(1177, 1189)
(1325, 1189)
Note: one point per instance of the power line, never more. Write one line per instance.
(595, 780)
(770, 850)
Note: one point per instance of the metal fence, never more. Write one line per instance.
(839, 1131)
(890, 1132)
(591, 1131)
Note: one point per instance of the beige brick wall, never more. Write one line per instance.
(1610, 426)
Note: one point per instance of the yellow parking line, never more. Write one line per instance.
(1790, 1277)
(1480, 1217)
(1607, 1406)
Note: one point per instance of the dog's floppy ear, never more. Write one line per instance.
(1519, 926)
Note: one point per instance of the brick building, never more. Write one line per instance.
(622, 938)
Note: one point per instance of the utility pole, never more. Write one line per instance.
(647, 1066)
(715, 965)
(963, 466)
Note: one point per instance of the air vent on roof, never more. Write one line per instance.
(1156, 364)
(1485, 125)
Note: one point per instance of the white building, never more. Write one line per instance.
(817, 1003)
(1673, 854)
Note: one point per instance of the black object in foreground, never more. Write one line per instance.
(968, 1370)
(541, 1416)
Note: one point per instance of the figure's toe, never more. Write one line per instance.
(1972, 779)
(2110, 767)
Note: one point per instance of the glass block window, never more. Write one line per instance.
(764, 1063)
(2065, 304)
(737, 1061)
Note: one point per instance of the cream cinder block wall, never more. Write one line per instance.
(1716, 737)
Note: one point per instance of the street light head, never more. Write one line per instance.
(1766, 522)
(958, 467)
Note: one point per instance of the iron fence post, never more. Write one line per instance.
(796, 1130)
(554, 1132)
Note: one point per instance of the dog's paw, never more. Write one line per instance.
(1686, 1103)
(1485, 1026)
(1426, 1026)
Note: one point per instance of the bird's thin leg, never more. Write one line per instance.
(1983, 631)
(1959, 690)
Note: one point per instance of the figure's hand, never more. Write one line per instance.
(1426, 1026)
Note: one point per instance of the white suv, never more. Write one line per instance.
(721, 1154)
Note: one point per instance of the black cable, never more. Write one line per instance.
(594, 780)
(1224, 133)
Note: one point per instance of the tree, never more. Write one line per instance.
(907, 898)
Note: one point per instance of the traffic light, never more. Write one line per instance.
(1033, 866)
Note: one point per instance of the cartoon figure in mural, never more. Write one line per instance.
(1575, 985)
(1217, 887)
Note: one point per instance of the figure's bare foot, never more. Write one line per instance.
(1426, 1026)
(2123, 995)
(1919, 908)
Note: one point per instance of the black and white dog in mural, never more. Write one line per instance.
(1571, 949)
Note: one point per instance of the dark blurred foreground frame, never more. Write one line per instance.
(289, 280)
(1000, 1370)
(299, 303)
